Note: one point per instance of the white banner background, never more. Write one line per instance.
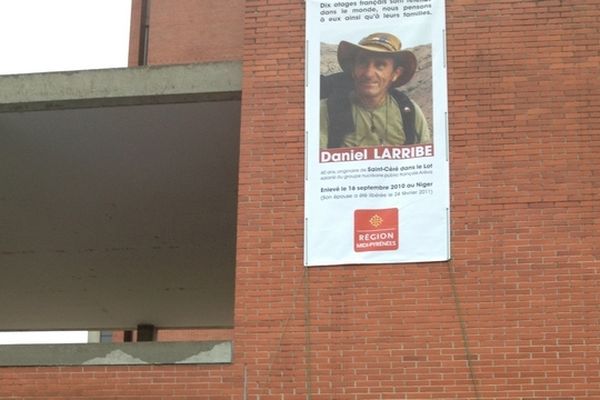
(417, 187)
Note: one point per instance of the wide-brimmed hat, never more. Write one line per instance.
(379, 43)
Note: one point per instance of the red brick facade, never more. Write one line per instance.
(189, 31)
(514, 315)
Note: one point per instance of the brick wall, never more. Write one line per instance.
(189, 31)
(270, 303)
(147, 383)
(514, 315)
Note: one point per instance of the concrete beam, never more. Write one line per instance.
(147, 353)
(123, 86)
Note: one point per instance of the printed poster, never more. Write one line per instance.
(377, 173)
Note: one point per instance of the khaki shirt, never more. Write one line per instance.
(379, 127)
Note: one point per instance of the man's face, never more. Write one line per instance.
(373, 75)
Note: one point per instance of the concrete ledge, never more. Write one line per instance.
(147, 353)
(123, 86)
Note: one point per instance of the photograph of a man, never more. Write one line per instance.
(361, 106)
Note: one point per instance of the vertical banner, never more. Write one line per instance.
(377, 175)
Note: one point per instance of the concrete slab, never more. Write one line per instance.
(148, 353)
(122, 86)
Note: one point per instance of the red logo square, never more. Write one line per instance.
(376, 230)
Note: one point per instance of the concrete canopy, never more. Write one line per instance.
(119, 196)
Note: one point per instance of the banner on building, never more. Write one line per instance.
(377, 176)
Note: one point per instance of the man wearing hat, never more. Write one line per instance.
(361, 107)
